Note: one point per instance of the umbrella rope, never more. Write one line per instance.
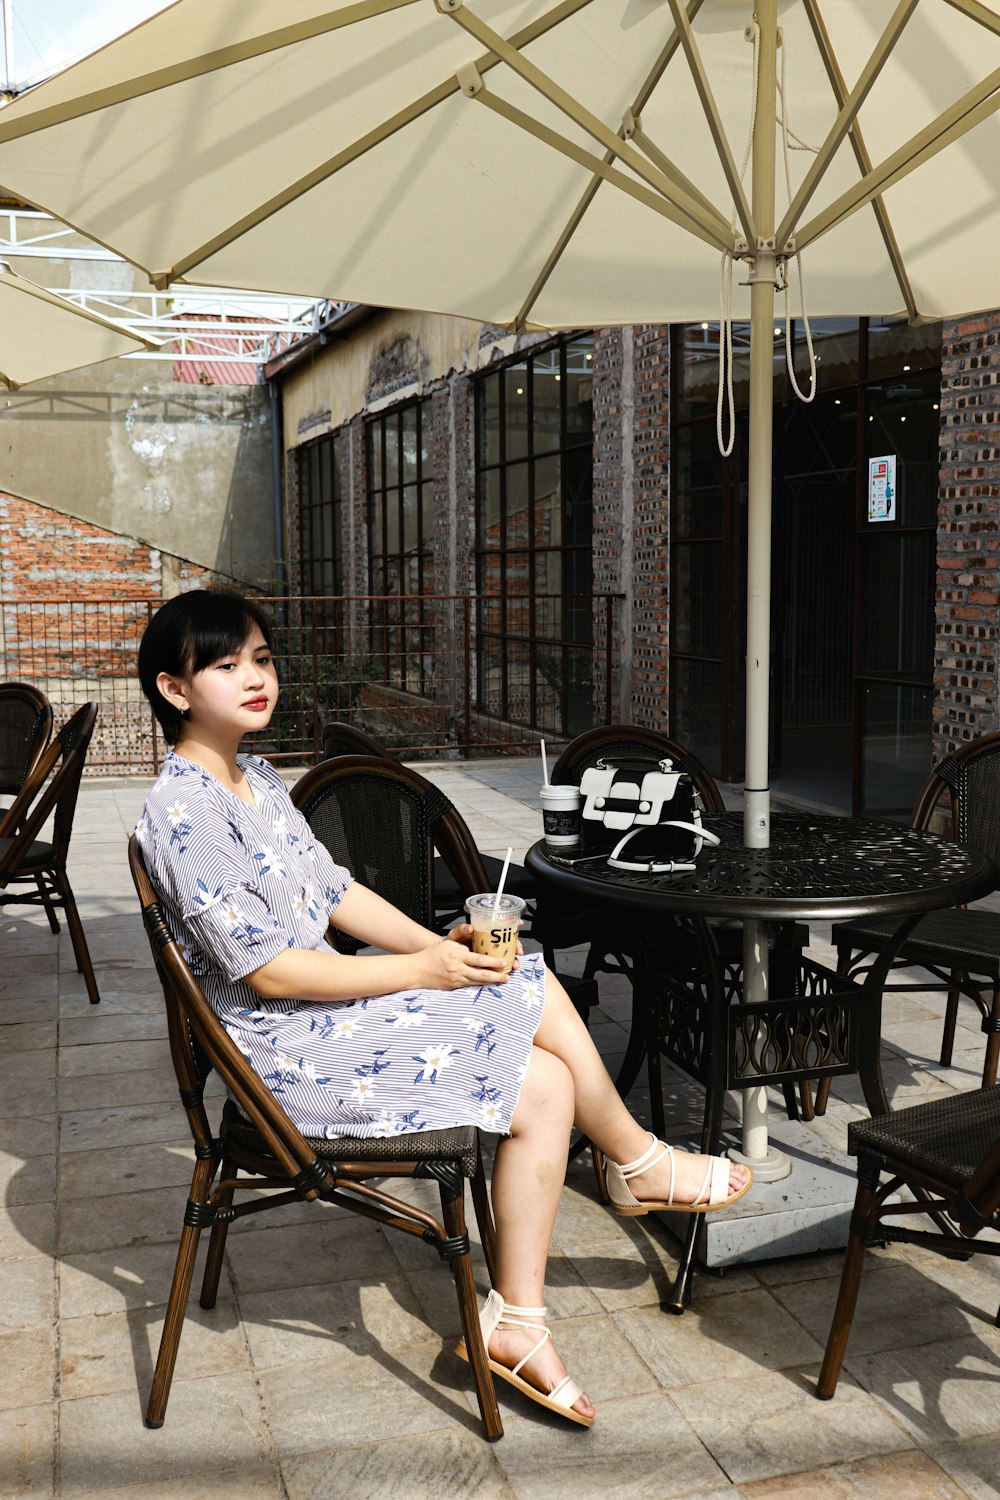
(726, 289)
(725, 400)
(791, 142)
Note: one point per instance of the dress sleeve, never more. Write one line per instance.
(332, 879)
(216, 887)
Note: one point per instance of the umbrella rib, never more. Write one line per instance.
(977, 12)
(708, 104)
(975, 106)
(846, 116)
(14, 125)
(594, 164)
(665, 178)
(52, 299)
(587, 197)
(839, 85)
(356, 149)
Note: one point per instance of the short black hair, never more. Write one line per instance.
(187, 634)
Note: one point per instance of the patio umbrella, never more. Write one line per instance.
(43, 334)
(547, 165)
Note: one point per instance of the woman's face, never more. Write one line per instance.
(231, 696)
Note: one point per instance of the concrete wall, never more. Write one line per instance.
(123, 446)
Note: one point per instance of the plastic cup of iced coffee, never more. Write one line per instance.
(496, 924)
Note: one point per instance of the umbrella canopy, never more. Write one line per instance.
(42, 334)
(517, 160)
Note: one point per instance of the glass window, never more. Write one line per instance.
(534, 506)
(400, 530)
(320, 518)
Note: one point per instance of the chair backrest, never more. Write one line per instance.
(47, 789)
(629, 740)
(383, 821)
(199, 1043)
(25, 729)
(968, 782)
(343, 739)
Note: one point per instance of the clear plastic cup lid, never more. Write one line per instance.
(507, 906)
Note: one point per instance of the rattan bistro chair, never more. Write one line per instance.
(25, 730)
(947, 1153)
(258, 1147)
(960, 948)
(449, 888)
(24, 858)
(383, 821)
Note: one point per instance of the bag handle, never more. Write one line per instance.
(635, 762)
(662, 866)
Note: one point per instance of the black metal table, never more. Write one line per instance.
(815, 1023)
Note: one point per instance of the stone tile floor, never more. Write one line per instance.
(326, 1369)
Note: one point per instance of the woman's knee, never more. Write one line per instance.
(548, 1085)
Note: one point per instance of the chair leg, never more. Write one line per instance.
(217, 1241)
(806, 1106)
(46, 900)
(791, 1102)
(600, 1173)
(655, 1076)
(453, 1213)
(80, 949)
(180, 1289)
(950, 1020)
(991, 1025)
(850, 1282)
(823, 1087)
(484, 1218)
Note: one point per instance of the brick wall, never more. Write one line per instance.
(968, 584)
(85, 648)
(631, 508)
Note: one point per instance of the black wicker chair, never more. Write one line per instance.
(258, 1147)
(27, 859)
(449, 890)
(25, 730)
(960, 948)
(947, 1153)
(383, 821)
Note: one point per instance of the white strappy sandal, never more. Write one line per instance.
(715, 1184)
(562, 1397)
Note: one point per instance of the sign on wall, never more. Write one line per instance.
(882, 488)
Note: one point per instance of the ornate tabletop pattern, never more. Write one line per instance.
(816, 866)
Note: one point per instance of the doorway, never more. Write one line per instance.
(852, 620)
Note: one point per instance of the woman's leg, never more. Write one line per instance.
(527, 1181)
(600, 1112)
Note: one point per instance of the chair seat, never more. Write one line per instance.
(968, 940)
(447, 895)
(945, 1139)
(36, 857)
(461, 1144)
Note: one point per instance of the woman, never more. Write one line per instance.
(425, 1036)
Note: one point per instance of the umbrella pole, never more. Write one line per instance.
(767, 1164)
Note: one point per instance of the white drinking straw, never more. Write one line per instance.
(503, 877)
(545, 766)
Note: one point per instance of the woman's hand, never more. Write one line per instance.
(450, 964)
(462, 933)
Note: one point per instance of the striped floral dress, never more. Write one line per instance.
(239, 885)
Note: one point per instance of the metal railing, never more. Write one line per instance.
(432, 675)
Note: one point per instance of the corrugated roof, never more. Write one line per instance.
(212, 370)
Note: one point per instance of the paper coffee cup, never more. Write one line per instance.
(496, 925)
(561, 814)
